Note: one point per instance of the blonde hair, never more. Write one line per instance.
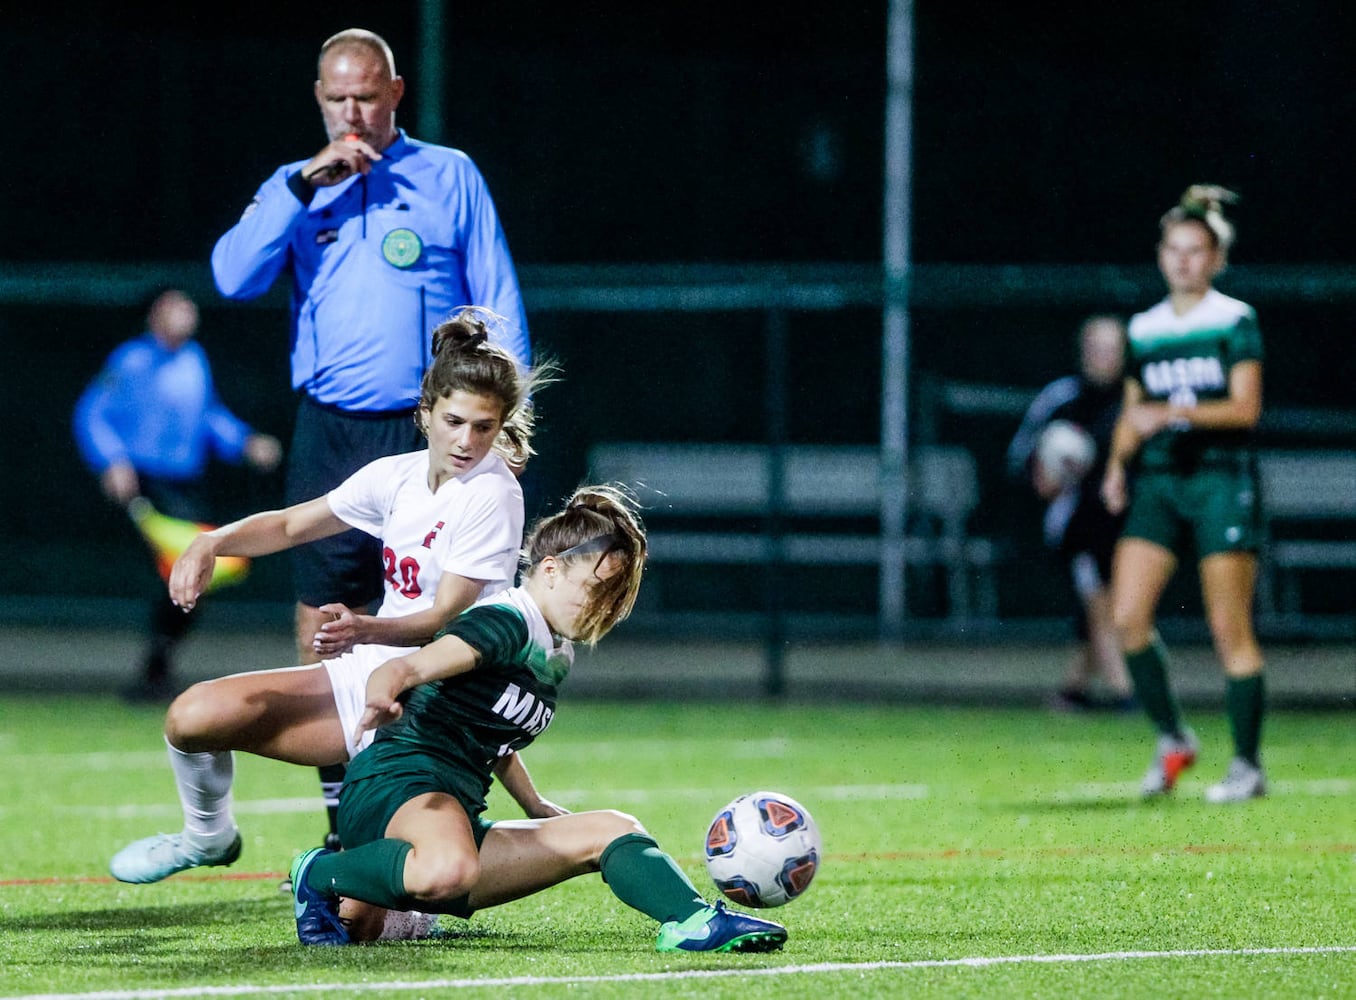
(598, 523)
(1204, 203)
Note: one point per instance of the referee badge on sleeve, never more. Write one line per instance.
(402, 247)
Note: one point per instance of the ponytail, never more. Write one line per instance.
(598, 524)
(1204, 203)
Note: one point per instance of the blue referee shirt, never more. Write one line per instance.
(377, 262)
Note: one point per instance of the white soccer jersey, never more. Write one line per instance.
(1216, 311)
(472, 526)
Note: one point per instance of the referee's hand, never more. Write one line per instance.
(339, 161)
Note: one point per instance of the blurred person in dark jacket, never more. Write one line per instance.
(1077, 524)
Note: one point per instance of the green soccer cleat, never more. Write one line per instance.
(715, 928)
(154, 858)
(317, 912)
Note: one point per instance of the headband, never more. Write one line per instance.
(602, 544)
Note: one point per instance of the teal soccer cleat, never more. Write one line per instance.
(154, 858)
(317, 912)
(717, 929)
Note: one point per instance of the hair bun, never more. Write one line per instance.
(1207, 198)
(458, 338)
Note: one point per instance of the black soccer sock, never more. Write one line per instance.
(646, 879)
(1148, 669)
(1245, 702)
(331, 781)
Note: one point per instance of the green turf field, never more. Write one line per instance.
(969, 853)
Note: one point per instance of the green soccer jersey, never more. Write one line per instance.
(1184, 360)
(467, 722)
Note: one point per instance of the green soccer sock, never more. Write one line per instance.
(1245, 701)
(645, 878)
(1148, 668)
(374, 872)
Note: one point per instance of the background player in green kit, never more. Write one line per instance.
(410, 811)
(1193, 396)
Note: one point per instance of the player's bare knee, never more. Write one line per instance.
(1133, 630)
(432, 875)
(608, 825)
(619, 824)
(1230, 631)
(191, 720)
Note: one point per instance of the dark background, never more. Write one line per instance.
(707, 131)
(662, 134)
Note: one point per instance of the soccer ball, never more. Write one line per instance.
(763, 849)
(1066, 452)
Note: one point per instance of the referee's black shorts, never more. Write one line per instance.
(328, 446)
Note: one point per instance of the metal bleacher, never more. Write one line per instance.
(1309, 500)
(731, 483)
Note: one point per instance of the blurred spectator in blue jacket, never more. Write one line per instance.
(148, 426)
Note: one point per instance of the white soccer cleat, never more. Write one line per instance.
(407, 925)
(1174, 755)
(1243, 781)
(154, 858)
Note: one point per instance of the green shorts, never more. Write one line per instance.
(384, 777)
(1216, 509)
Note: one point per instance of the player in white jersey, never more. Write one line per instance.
(469, 529)
(450, 519)
(412, 811)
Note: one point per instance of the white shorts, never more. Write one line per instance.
(348, 677)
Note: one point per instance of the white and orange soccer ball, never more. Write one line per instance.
(763, 849)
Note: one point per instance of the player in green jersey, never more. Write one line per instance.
(1193, 396)
(410, 814)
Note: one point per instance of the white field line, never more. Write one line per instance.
(820, 968)
(773, 747)
(1091, 791)
(596, 752)
(93, 760)
(1082, 792)
(569, 796)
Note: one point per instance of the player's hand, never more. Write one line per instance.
(341, 633)
(192, 572)
(384, 686)
(120, 483)
(263, 451)
(1113, 488)
(339, 161)
(1147, 419)
(374, 717)
(545, 809)
(1047, 487)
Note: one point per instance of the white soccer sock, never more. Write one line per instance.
(204, 783)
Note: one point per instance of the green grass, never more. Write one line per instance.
(949, 833)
